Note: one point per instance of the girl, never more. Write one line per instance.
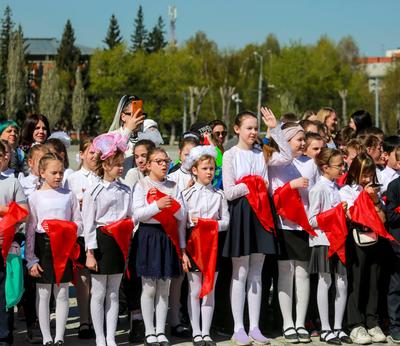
(247, 241)
(157, 242)
(301, 174)
(55, 145)
(363, 263)
(202, 200)
(324, 196)
(106, 202)
(138, 172)
(78, 182)
(51, 201)
(328, 117)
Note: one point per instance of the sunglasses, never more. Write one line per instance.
(220, 133)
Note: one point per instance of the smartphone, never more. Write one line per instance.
(374, 186)
(137, 104)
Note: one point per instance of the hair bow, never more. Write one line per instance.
(107, 144)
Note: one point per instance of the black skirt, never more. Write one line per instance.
(156, 256)
(82, 253)
(44, 254)
(293, 245)
(320, 263)
(245, 234)
(109, 257)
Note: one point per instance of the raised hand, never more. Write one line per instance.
(268, 117)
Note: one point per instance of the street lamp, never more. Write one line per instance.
(237, 100)
(260, 83)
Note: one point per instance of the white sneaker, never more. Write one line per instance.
(377, 334)
(359, 335)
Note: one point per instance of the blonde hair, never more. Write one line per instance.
(99, 170)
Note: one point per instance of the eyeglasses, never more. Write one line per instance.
(337, 166)
(160, 162)
(220, 133)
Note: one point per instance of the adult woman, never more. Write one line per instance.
(218, 135)
(327, 116)
(360, 120)
(35, 130)
(9, 131)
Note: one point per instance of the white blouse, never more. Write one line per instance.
(79, 181)
(323, 196)
(59, 204)
(182, 177)
(132, 177)
(30, 183)
(387, 176)
(104, 203)
(349, 194)
(238, 163)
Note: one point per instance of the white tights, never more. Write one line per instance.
(61, 295)
(324, 282)
(246, 270)
(155, 298)
(105, 287)
(293, 272)
(207, 305)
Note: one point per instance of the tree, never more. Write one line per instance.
(80, 103)
(156, 39)
(67, 53)
(139, 36)
(113, 37)
(7, 26)
(348, 49)
(16, 75)
(52, 96)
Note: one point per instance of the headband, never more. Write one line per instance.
(6, 124)
(290, 132)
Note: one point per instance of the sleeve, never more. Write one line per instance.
(126, 133)
(393, 202)
(76, 214)
(346, 196)
(284, 157)
(231, 189)
(141, 210)
(180, 214)
(224, 216)
(19, 196)
(315, 207)
(89, 224)
(182, 223)
(30, 236)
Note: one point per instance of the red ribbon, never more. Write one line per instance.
(258, 200)
(289, 205)
(63, 236)
(342, 179)
(363, 212)
(202, 246)
(166, 217)
(14, 214)
(121, 231)
(333, 223)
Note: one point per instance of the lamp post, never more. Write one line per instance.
(260, 84)
(237, 100)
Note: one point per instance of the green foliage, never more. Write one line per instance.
(80, 102)
(156, 39)
(68, 54)
(7, 26)
(390, 105)
(139, 36)
(113, 37)
(17, 86)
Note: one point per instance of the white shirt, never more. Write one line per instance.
(30, 183)
(205, 202)
(182, 177)
(387, 176)
(349, 194)
(81, 180)
(280, 175)
(59, 204)
(104, 203)
(67, 173)
(238, 163)
(132, 177)
(323, 196)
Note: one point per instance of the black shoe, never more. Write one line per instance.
(136, 334)
(49, 343)
(199, 342)
(332, 341)
(303, 335)
(33, 335)
(85, 331)
(291, 338)
(59, 343)
(180, 331)
(163, 343)
(343, 337)
(155, 343)
(209, 342)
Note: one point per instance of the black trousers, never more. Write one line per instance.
(393, 298)
(6, 316)
(363, 268)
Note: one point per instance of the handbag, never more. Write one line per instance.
(364, 236)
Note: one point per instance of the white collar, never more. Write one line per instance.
(328, 182)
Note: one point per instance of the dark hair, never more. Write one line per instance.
(59, 147)
(306, 123)
(308, 113)
(49, 157)
(3, 148)
(311, 136)
(217, 122)
(376, 131)
(390, 144)
(239, 117)
(85, 143)
(288, 117)
(344, 135)
(325, 156)
(147, 143)
(99, 170)
(188, 140)
(361, 164)
(369, 141)
(155, 150)
(362, 119)
(29, 127)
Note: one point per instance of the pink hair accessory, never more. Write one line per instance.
(107, 144)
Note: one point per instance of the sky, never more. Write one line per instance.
(230, 23)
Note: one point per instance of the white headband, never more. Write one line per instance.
(197, 152)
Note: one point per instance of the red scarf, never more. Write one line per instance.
(333, 223)
(363, 212)
(63, 236)
(258, 200)
(289, 205)
(202, 246)
(14, 214)
(166, 217)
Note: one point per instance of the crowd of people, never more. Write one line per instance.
(306, 219)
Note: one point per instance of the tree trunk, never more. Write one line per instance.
(173, 134)
(343, 94)
(226, 93)
(196, 100)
